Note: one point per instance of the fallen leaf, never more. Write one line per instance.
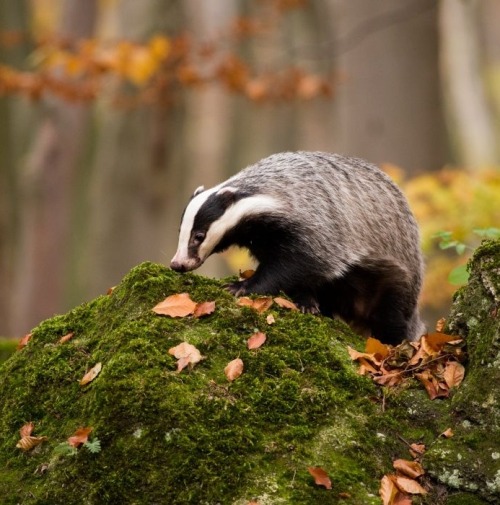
(26, 429)
(374, 346)
(234, 369)
(320, 477)
(79, 437)
(29, 442)
(388, 379)
(411, 469)
(440, 325)
(24, 341)
(356, 355)
(416, 450)
(387, 490)
(246, 274)
(204, 309)
(431, 385)
(260, 304)
(67, 337)
(402, 499)
(434, 342)
(453, 374)
(256, 340)
(91, 374)
(409, 485)
(186, 354)
(447, 433)
(110, 290)
(179, 305)
(286, 304)
(270, 319)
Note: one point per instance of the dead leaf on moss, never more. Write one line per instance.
(91, 374)
(417, 450)
(284, 303)
(260, 304)
(24, 341)
(447, 433)
(27, 441)
(79, 437)
(411, 469)
(67, 337)
(256, 340)
(408, 485)
(204, 309)
(453, 374)
(388, 490)
(234, 369)
(270, 319)
(186, 354)
(377, 348)
(178, 305)
(320, 477)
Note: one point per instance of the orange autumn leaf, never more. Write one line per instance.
(178, 305)
(29, 442)
(409, 485)
(260, 304)
(356, 356)
(26, 429)
(234, 369)
(320, 476)
(91, 374)
(286, 304)
(24, 341)
(67, 337)
(453, 374)
(246, 274)
(388, 490)
(440, 325)
(434, 342)
(377, 348)
(270, 319)
(256, 340)
(79, 437)
(186, 354)
(447, 433)
(417, 450)
(411, 469)
(204, 309)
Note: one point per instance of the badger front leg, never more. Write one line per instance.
(270, 280)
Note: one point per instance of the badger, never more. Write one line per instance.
(332, 232)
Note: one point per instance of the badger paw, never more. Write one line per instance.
(308, 305)
(237, 288)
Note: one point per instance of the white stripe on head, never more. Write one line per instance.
(249, 206)
(187, 223)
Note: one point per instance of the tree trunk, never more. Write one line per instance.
(46, 187)
(470, 122)
(388, 106)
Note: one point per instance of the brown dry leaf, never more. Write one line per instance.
(447, 433)
(246, 274)
(388, 490)
(364, 367)
(320, 476)
(179, 305)
(440, 325)
(270, 319)
(286, 304)
(186, 354)
(416, 450)
(260, 304)
(377, 348)
(453, 374)
(409, 485)
(434, 390)
(356, 355)
(434, 342)
(204, 309)
(26, 429)
(411, 469)
(110, 290)
(24, 341)
(91, 374)
(234, 369)
(67, 337)
(389, 379)
(27, 443)
(256, 340)
(79, 437)
(420, 355)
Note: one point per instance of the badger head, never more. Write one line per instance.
(209, 217)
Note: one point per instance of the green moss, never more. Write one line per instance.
(7, 348)
(194, 437)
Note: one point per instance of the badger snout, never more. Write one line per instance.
(178, 266)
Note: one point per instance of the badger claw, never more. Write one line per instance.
(237, 288)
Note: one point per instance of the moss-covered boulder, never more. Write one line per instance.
(164, 437)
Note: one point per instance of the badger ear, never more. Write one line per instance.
(228, 195)
(198, 190)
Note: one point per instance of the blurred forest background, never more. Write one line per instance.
(113, 111)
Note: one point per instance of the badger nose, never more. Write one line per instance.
(178, 266)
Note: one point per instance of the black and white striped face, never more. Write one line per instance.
(208, 217)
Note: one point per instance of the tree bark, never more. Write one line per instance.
(47, 192)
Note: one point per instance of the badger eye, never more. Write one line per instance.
(198, 237)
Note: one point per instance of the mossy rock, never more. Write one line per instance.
(194, 437)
